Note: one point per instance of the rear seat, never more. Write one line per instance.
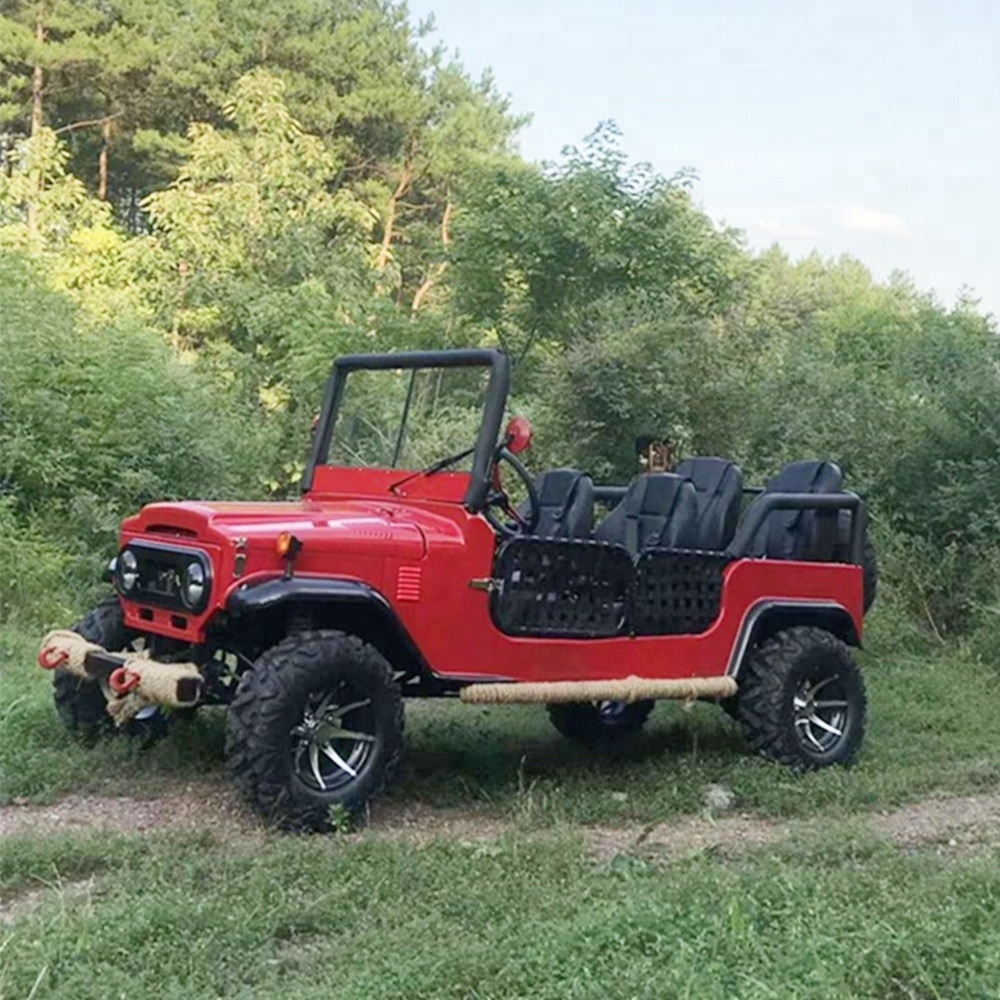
(719, 486)
(807, 535)
(659, 510)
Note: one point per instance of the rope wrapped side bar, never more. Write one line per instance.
(629, 690)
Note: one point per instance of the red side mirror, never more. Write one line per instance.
(518, 435)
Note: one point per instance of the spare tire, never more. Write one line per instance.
(869, 560)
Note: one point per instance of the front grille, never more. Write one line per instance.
(160, 576)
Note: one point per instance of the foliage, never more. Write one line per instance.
(818, 360)
(94, 420)
(252, 211)
(285, 182)
(73, 234)
(535, 249)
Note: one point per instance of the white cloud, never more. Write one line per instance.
(788, 230)
(869, 220)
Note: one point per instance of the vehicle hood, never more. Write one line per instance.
(336, 526)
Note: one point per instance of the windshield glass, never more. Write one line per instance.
(408, 418)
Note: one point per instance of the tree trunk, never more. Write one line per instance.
(446, 223)
(434, 274)
(102, 160)
(37, 91)
(429, 282)
(405, 179)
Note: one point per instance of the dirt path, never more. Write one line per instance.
(207, 805)
(959, 824)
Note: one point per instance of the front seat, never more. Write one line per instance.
(566, 504)
(719, 486)
(807, 535)
(659, 510)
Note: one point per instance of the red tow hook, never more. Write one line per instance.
(52, 657)
(122, 680)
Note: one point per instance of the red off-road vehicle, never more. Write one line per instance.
(398, 574)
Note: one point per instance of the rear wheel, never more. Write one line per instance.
(316, 724)
(82, 704)
(592, 722)
(802, 700)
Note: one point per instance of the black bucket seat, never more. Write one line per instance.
(808, 535)
(659, 510)
(566, 508)
(719, 486)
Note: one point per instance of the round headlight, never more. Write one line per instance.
(193, 584)
(128, 570)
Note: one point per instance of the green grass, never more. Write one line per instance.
(843, 916)
(931, 727)
(835, 912)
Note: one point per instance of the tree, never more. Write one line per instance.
(534, 250)
(46, 213)
(254, 208)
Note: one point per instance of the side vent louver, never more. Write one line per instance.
(408, 583)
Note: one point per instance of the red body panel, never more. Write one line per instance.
(420, 549)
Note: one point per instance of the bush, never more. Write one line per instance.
(904, 394)
(95, 422)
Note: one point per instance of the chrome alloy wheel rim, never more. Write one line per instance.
(820, 713)
(333, 741)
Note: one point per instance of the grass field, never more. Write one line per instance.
(530, 911)
(171, 918)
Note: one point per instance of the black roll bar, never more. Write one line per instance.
(767, 503)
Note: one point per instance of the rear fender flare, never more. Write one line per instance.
(767, 617)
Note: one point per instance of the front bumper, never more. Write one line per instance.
(130, 681)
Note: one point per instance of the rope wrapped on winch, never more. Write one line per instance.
(67, 649)
(138, 682)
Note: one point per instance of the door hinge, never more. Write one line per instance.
(487, 583)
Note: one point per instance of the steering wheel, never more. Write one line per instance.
(497, 500)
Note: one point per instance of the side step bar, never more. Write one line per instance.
(628, 690)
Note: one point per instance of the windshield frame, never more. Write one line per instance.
(489, 429)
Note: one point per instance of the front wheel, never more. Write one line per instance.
(591, 722)
(81, 704)
(316, 725)
(802, 700)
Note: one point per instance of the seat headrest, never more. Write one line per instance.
(807, 476)
(555, 485)
(708, 474)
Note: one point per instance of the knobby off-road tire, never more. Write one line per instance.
(869, 564)
(731, 706)
(81, 704)
(869, 558)
(590, 722)
(297, 703)
(802, 700)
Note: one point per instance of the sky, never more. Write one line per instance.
(869, 128)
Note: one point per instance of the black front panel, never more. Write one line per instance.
(161, 568)
(553, 587)
(676, 592)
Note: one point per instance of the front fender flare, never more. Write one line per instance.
(306, 590)
(369, 614)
